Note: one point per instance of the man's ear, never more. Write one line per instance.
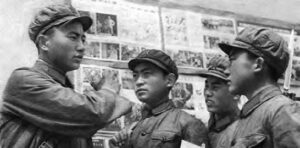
(259, 64)
(171, 80)
(43, 42)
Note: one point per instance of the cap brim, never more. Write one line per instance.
(86, 21)
(227, 48)
(134, 62)
(211, 74)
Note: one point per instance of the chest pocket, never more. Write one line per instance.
(255, 140)
(165, 139)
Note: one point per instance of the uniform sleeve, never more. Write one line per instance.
(195, 132)
(52, 107)
(286, 126)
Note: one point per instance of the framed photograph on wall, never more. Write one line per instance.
(185, 58)
(92, 49)
(110, 51)
(129, 51)
(106, 24)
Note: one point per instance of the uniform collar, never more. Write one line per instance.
(259, 97)
(53, 72)
(159, 109)
(222, 123)
(162, 107)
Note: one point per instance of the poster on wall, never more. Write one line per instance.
(110, 51)
(211, 42)
(175, 27)
(218, 24)
(129, 51)
(139, 23)
(186, 58)
(106, 24)
(187, 94)
(92, 49)
(207, 30)
(194, 29)
(104, 14)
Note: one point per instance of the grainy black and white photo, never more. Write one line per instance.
(150, 74)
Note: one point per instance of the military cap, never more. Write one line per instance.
(156, 57)
(55, 15)
(263, 43)
(217, 67)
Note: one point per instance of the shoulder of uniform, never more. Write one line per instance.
(24, 75)
(186, 118)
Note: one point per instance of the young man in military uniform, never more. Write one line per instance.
(162, 124)
(259, 57)
(40, 108)
(222, 105)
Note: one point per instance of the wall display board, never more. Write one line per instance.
(122, 29)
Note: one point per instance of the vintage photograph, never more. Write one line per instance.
(114, 72)
(127, 79)
(91, 74)
(129, 52)
(106, 24)
(181, 93)
(211, 42)
(110, 51)
(92, 49)
(217, 24)
(186, 58)
(175, 27)
(140, 23)
(195, 104)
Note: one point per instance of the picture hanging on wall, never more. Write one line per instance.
(92, 49)
(175, 27)
(218, 24)
(129, 51)
(106, 24)
(110, 51)
(185, 58)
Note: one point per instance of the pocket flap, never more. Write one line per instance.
(251, 141)
(163, 135)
